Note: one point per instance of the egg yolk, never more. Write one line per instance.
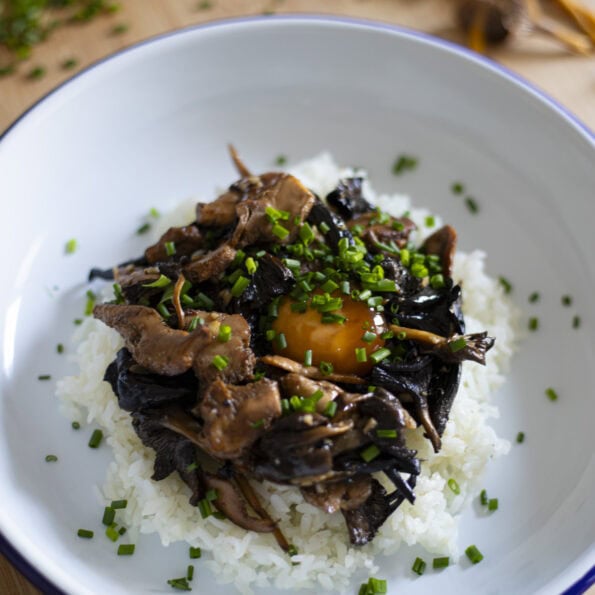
(330, 342)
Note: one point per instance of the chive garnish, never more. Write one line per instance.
(121, 530)
(109, 514)
(170, 248)
(380, 355)
(330, 409)
(251, 265)
(144, 228)
(71, 246)
(493, 504)
(374, 586)
(326, 368)
(95, 439)
(386, 433)
(370, 453)
(281, 341)
(190, 572)
(430, 221)
(323, 228)
(576, 322)
(44, 377)
(220, 362)
(204, 506)
(119, 29)
(506, 284)
(419, 566)
(454, 486)
(457, 188)
(51, 458)
(193, 323)
(472, 205)
(441, 562)
(551, 394)
(520, 437)
(76, 425)
(192, 467)
(280, 231)
(224, 333)
(60, 348)
(204, 5)
(163, 281)
(533, 323)
(361, 354)
(257, 424)
(240, 286)
(280, 160)
(534, 297)
(119, 504)
(162, 309)
(69, 64)
(567, 300)
(179, 583)
(126, 549)
(404, 163)
(474, 554)
(36, 73)
(112, 533)
(457, 344)
(483, 498)
(194, 552)
(85, 533)
(308, 357)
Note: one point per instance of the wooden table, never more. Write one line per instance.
(567, 78)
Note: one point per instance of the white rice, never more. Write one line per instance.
(326, 559)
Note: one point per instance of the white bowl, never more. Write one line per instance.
(149, 126)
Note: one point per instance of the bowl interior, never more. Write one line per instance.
(150, 127)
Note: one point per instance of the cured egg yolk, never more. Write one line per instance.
(330, 342)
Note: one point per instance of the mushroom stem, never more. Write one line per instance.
(242, 169)
(418, 336)
(583, 16)
(177, 301)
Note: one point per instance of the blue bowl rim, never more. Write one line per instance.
(25, 567)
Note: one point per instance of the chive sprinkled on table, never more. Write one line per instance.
(51, 458)
(419, 566)
(472, 205)
(520, 437)
(442, 562)
(96, 438)
(126, 549)
(534, 297)
(551, 394)
(85, 533)
(474, 554)
(533, 323)
(71, 246)
(404, 163)
(506, 284)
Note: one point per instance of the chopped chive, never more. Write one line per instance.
(36, 73)
(153, 212)
(493, 504)
(257, 424)
(126, 549)
(190, 572)
(483, 498)
(250, 265)
(69, 64)
(576, 322)
(472, 205)
(281, 341)
(194, 323)
(224, 333)
(192, 467)
(44, 377)
(204, 5)
(551, 394)
(71, 246)
(385, 285)
(270, 334)
(204, 506)
(368, 337)
(85, 533)
(240, 286)
(430, 221)
(534, 297)
(204, 301)
(118, 294)
(292, 550)
(324, 228)
(533, 323)
(520, 437)
(329, 286)
(386, 433)
(404, 163)
(370, 453)
(163, 281)
(170, 248)
(112, 533)
(308, 357)
(377, 586)
(96, 438)
(162, 309)
(454, 486)
(280, 231)
(280, 160)
(194, 552)
(179, 583)
(567, 300)
(441, 562)
(121, 530)
(211, 495)
(437, 281)
(330, 409)
(144, 228)
(326, 368)
(119, 504)
(361, 354)
(457, 188)
(109, 514)
(76, 425)
(220, 362)
(457, 344)
(306, 233)
(119, 29)
(51, 458)
(380, 355)
(60, 348)
(506, 284)
(474, 554)
(419, 566)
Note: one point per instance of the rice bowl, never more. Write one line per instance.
(326, 560)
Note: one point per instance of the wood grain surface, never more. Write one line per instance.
(568, 78)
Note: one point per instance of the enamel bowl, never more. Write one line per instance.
(149, 127)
